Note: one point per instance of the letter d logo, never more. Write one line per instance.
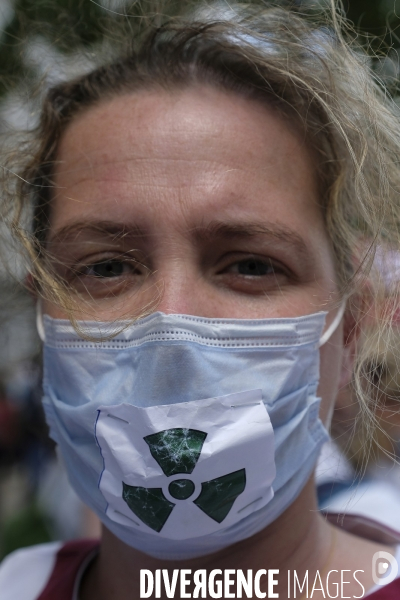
(384, 568)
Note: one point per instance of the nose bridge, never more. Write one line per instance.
(180, 283)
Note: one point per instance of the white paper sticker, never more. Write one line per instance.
(186, 470)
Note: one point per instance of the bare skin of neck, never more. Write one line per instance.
(300, 539)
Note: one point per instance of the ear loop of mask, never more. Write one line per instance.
(333, 326)
(39, 320)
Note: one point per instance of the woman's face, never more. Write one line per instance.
(201, 198)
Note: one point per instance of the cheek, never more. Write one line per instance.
(53, 310)
(331, 360)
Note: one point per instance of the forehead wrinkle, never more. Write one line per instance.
(118, 189)
(106, 160)
(109, 161)
(82, 157)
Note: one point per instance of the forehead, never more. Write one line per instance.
(192, 151)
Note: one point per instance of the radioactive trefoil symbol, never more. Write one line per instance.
(177, 452)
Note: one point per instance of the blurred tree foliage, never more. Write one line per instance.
(72, 25)
(66, 24)
(380, 18)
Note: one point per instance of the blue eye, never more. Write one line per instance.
(254, 267)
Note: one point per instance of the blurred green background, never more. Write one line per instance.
(36, 34)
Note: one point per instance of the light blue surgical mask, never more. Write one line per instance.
(178, 414)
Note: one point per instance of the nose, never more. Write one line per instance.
(184, 290)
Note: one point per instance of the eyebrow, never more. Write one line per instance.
(214, 230)
(114, 230)
(250, 230)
